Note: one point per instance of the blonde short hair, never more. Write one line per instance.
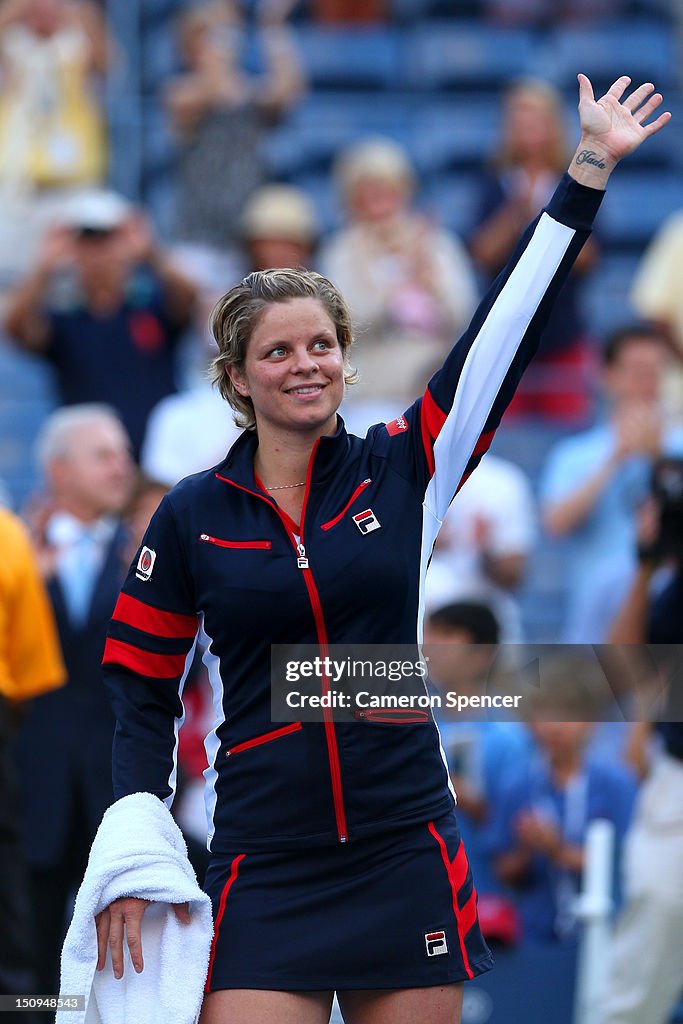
(374, 157)
(236, 314)
(282, 212)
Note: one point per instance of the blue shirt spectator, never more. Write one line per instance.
(539, 826)
(595, 481)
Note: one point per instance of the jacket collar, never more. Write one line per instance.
(330, 451)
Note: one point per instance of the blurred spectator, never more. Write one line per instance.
(483, 547)
(193, 430)
(542, 812)
(222, 114)
(548, 13)
(409, 283)
(66, 736)
(530, 157)
(51, 128)
(144, 500)
(460, 641)
(657, 295)
(645, 979)
(107, 307)
(594, 482)
(350, 12)
(279, 228)
(30, 664)
(188, 433)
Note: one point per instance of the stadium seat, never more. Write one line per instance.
(606, 293)
(160, 146)
(412, 10)
(26, 397)
(311, 136)
(350, 58)
(160, 12)
(160, 60)
(453, 200)
(323, 194)
(466, 55)
(455, 134)
(661, 9)
(636, 204)
(644, 49)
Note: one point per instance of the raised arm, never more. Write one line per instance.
(611, 129)
(25, 319)
(448, 430)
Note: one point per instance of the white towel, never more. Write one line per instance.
(139, 851)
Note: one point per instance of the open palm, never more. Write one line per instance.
(616, 127)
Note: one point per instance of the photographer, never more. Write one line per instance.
(645, 972)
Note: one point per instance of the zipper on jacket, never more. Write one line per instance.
(266, 737)
(340, 515)
(321, 631)
(263, 545)
(302, 560)
(391, 716)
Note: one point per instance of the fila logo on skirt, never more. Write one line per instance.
(367, 521)
(436, 943)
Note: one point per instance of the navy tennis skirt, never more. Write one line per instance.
(398, 910)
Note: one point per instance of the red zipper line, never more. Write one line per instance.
(266, 737)
(347, 506)
(321, 631)
(264, 545)
(407, 717)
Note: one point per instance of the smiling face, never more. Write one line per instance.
(294, 368)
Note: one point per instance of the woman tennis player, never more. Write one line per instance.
(336, 862)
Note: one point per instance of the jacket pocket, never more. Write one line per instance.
(392, 716)
(340, 515)
(263, 545)
(266, 737)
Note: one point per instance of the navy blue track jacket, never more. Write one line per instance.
(222, 556)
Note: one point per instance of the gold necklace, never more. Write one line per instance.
(285, 487)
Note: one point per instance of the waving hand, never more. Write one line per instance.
(612, 127)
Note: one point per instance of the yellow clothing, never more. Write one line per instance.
(51, 132)
(657, 294)
(658, 284)
(30, 656)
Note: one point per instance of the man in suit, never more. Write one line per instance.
(65, 741)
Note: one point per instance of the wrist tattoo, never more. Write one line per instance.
(588, 156)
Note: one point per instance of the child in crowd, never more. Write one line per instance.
(540, 818)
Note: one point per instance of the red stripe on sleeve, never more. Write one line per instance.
(153, 620)
(432, 419)
(158, 666)
(484, 443)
